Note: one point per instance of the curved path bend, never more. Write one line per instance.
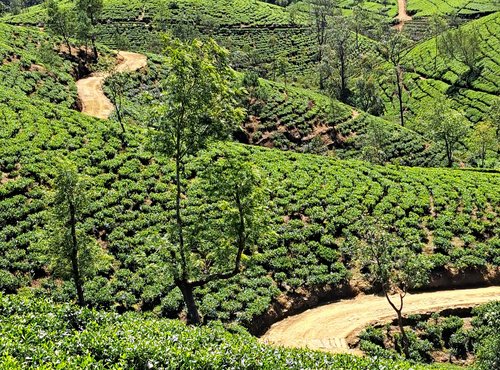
(92, 99)
(402, 15)
(333, 326)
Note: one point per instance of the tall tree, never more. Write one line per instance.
(321, 13)
(338, 57)
(73, 253)
(196, 105)
(437, 25)
(463, 45)
(88, 15)
(394, 267)
(447, 126)
(393, 48)
(117, 83)
(482, 140)
(61, 21)
(494, 117)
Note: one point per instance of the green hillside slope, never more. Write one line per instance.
(29, 65)
(291, 118)
(317, 204)
(462, 8)
(425, 83)
(259, 30)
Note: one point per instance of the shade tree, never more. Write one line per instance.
(197, 105)
(393, 266)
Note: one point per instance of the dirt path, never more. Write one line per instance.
(93, 101)
(333, 326)
(402, 15)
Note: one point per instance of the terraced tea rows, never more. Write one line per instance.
(427, 81)
(462, 8)
(317, 204)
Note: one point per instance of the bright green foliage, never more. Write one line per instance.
(40, 334)
(196, 102)
(486, 327)
(317, 203)
(73, 254)
(196, 105)
(61, 21)
(447, 127)
(474, 93)
(483, 140)
(31, 66)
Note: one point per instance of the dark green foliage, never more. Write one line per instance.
(444, 335)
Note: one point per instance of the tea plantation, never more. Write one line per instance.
(291, 118)
(315, 214)
(36, 334)
(428, 80)
(249, 27)
(323, 169)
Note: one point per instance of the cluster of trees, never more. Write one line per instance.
(75, 20)
(16, 6)
(451, 131)
(196, 105)
(350, 66)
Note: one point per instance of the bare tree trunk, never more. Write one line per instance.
(94, 48)
(404, 337)
(400, 94)
(193, 316)
(343, 78)
(74, 257)
(449, 153)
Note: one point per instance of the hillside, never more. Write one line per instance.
(164, 202)
(462, 8)
(429, 79)
(256, 30)
(315, 214)
(291, 118)
(287, 118)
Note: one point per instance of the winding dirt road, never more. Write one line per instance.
(92, 99)
(402, 15)
(333, 326)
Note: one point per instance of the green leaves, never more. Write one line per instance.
(196, 103)
(35, 333)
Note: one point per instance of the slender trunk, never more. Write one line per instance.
(404, 337)
(193, 316)
(94, 48)
(400, 94)
(68, 44)
(343, 82)
(120, 120)
(436, 55)
(357, 39)
(178, 217)
(74, 257)
(449, 153)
